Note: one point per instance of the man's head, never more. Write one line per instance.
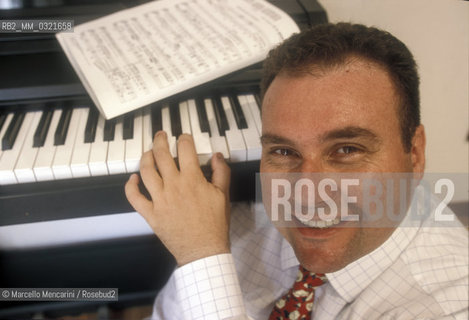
(329, 46)
(335, 102)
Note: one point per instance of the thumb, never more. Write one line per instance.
(221, 173)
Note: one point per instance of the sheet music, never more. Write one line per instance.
(140, 55)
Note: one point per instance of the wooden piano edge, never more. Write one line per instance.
(92, 196)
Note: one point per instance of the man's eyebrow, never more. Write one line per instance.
(343, 133)
(349, 133)
(275, 139)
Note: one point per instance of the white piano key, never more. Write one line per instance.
(4, 129)
(217, 142)
(201, 139)
(256, 114)
(81, 150)
(234, 137)
(63, 153)
(98, 152)
(134, 146)
(10, 157)
(250, 134)
(24, 167)
(185, 121)
(43, 165)
(147, 130)
(116, 151)
(166, 120)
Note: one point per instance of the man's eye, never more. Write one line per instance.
(347, 150)
(283, 152)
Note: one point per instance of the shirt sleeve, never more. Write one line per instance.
(204, 289)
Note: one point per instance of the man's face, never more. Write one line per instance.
(343, 121)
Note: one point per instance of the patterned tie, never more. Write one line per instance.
(297, 303)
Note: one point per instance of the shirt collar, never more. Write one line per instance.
(363, 271)
(287, 255)
(288, 258)
(350, 281)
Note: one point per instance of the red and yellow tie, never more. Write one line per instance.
(297, 303)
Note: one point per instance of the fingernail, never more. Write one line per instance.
(161, 133)
(220, 156)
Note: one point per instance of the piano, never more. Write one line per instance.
(49, 127)
(63, 166)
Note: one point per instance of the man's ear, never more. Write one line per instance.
(417, 151)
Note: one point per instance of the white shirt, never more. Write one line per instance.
(418, 273)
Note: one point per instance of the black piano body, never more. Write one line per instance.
(36, 74)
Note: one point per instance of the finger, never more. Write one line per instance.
(151, 178)
(187, 154)
(164, 161)
(221, 173)
(136, 199)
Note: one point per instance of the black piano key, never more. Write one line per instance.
(220, 116)
(62, 128)
(109, 129)
(156, 119)
(12, 131)
(238, 112)
(128, 126)
(175, 119)
(3, 117)
(43, 127)
(202, 115)
(91, 125)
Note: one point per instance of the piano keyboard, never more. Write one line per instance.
(75, 141)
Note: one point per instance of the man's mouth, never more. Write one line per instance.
(320, 224)
(315, 221)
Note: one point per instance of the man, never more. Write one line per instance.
(337, 99)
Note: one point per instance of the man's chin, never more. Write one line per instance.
(320, 261)
(323, 250)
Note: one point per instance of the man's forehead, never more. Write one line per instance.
(354, 68)
(358, 100)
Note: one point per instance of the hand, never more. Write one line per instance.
(189, 214)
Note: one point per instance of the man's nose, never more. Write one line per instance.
(316, 173)
(311, 166)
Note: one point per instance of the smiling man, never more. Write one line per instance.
(337, 99)
(341, 119)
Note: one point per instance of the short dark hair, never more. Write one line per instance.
(329, 45)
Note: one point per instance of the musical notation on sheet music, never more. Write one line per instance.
(147, 53)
